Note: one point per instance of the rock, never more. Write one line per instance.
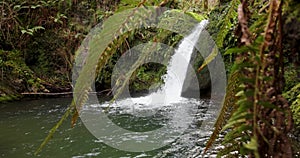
(194, 84)
(202, 82)
(213, 79)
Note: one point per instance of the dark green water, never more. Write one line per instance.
(25, 124)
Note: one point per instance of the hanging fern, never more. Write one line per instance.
(227, 109)
(110, 32)
(93, 55)
(259, 125)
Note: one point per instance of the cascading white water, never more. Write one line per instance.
(170, 92)
(175, 113)
(178, 66)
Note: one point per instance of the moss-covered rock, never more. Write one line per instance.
(196, 16)
(179, 21)
(7, 93)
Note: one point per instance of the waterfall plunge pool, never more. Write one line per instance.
(182, 125)
(25, 124)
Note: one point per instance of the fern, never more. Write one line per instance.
(296, 110)
(293, 97)
(228, 23)
(253, 128)
(93, 55)
(114, 33)
(228, 108)
(53, 130)
(111, 30)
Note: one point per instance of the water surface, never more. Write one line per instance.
(25, 124)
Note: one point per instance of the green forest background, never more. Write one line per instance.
(39, 38)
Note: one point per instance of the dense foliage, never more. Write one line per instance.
(38, 40)
(293, 96)
(44, 35)
(259, 116)
(259, 41)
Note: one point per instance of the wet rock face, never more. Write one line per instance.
(196, 81)
(202, 82)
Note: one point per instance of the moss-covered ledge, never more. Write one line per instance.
(7, 93)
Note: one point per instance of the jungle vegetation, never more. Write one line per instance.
(258, 39)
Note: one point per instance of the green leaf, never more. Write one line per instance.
(209, 59)
(240, 115)
(232, 123)
(35, 6)
(23, 31)
(236, 50)
(240, 93)
(38, 28)
(252, 145)
(17, 7)
(267, 105)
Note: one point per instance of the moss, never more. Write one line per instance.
(293, 96)
(7, 98)
(196, 16)
(7, 92)
(293, 93)
(296, 111)
(148, 77)
(127, 4)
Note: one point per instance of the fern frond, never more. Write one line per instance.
(54, 129)
(227, 110)
(237, 133)
(79, 102)
(109, 35)
(261, 109)
(209, 58)
(227, 24)
(229, 150)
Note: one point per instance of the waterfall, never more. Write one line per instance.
(165, 109)
(178, 65)
(177, 68)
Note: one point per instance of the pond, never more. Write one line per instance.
(24, 124)
(161, 124)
